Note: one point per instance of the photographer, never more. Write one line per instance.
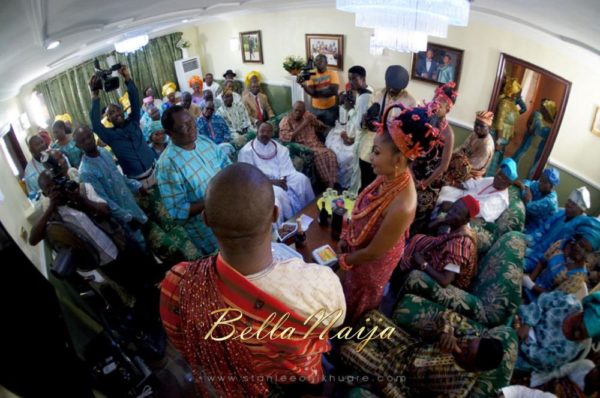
(125, 138)
(323, 87)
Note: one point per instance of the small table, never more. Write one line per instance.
(316, 235)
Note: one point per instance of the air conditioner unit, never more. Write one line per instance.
(186, 68)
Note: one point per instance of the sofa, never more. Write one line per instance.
(412, 311)
(495, 293)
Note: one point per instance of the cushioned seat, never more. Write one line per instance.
(412, 311)
(495, 293)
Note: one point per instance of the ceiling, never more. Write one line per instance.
(89, 27)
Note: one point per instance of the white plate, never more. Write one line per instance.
(290, 234)
(283, 252)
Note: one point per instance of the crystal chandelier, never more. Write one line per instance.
(403, 25)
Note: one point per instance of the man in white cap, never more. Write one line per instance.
(557, 227)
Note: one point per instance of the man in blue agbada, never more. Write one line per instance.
(556, 329)
(98, 168)
(562, 224)
(540, 198)
(183, 172)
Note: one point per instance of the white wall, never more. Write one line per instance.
(576, 148)
(14, 204)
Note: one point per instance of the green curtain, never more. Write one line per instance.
(152, 66)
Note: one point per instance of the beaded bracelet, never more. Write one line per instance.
(343, 264)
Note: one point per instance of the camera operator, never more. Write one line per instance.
(125, 138)
(323, 87)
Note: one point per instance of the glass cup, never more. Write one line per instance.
(346, 194)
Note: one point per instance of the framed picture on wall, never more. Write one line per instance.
(332, 46)
(438, 64)
(251, 44)
(596, 124)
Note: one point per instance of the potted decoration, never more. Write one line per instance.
(184, 46)
(293, 64)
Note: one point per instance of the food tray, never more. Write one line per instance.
(325, 255)
(289, 234)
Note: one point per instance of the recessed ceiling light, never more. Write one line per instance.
(185, 21)
(53, 44)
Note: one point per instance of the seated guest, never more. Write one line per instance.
(472, 158)
(215, 128)
(541, 201)
(183, 172)
(564, 266)
(490, 192)
(256, 103)
(446, 364)
(229, 86)
(98, 169)
(230, 81)
(559, 226)
(169, 90)
(451, 256)
(211, 84)
(292, 189)
(299, 126)
(555, 329)
(67, 119)
(153, 114)
(578, 379)
(125, 138)
(187, 103)
(245, 278)
(236, 117)
(152, 100)
(63, 141)
(195, 83)
(210, 97)
(157, 140)
(34, 167)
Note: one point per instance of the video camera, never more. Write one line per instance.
(307, 71)
(105, 81)
(63, 182)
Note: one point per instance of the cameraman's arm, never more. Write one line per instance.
(134, 100)
(96, 117)
(329, 91)
(309, 89)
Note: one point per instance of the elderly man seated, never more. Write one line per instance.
(229, 85)
(245, 280)
(555, 329)
(299, 126)
(256, 103)
(490, 192)
(187, 103)
(292, 189)
(215, 128)
(236, 117)
(541, 201)
(446, 361)
(451, 256)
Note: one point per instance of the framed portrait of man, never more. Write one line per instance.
(251, 44)
(332, 46)
(438, 64)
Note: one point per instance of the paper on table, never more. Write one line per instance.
(305, 221)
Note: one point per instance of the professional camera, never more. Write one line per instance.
(347, 97)
(307, 71)
(105, 81)
(61, 181)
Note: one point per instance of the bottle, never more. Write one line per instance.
(337, 220)
(323, 216)
(300, 238)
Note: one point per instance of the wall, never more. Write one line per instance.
(15, 203)
(483, 41)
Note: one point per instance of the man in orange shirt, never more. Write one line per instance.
(323, 88)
